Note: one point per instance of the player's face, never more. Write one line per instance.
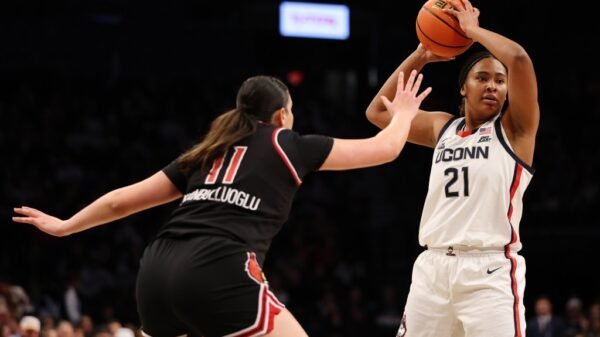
(485, 89)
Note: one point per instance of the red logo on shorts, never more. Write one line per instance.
(253, 269)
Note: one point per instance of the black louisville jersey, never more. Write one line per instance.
(247, 195)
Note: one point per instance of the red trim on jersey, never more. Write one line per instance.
(514, 289)
(253, 268)
(465, 133)
(275, 300)
(234, 163)
(283, 156)
(274, 310)
(211, 178)
(513, 188)
(268, 308)
(507, 254)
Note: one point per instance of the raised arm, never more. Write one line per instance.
(426, 124)
(153, 191)
(389, 142)
(521, 118)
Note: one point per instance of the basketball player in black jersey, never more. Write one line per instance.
(201, 275)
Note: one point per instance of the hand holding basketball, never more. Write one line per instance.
(429, 56)
(463, 10)
(439, 29)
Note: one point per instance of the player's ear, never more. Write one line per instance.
(278, 117)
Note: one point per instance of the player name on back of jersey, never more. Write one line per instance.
(461, 153)
(224, 194)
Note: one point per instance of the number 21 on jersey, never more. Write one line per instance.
(232, 167)
(453, 172)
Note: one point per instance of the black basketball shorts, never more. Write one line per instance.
(226, 297)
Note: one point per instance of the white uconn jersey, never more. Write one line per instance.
(475, 191)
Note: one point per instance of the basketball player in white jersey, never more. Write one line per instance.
(470, 279)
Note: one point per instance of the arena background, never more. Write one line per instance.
(98, 94)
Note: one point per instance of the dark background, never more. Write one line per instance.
(98, 94)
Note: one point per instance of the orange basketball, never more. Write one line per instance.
(440, 32)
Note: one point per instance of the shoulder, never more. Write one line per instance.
(284, 136)
(443, 121)
(427, 125)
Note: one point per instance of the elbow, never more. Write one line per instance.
(371, 113)
(374, 114)
(519, 58)
(116, 206)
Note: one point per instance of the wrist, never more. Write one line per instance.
(418, 59)
(470, 32)
(419, 56)
(64, 229)
(403, 117)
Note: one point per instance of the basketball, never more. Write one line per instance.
(439, 32)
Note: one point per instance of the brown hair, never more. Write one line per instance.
(257, 99)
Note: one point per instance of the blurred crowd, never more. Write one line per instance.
(342, 262)
(19, 317)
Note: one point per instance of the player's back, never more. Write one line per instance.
(247, 194)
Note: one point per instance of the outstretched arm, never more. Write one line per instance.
(153, 191)
(425, 124)
(389, 142)
(376, 111)
(521, 119)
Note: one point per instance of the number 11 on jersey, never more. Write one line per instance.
(232, 168)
